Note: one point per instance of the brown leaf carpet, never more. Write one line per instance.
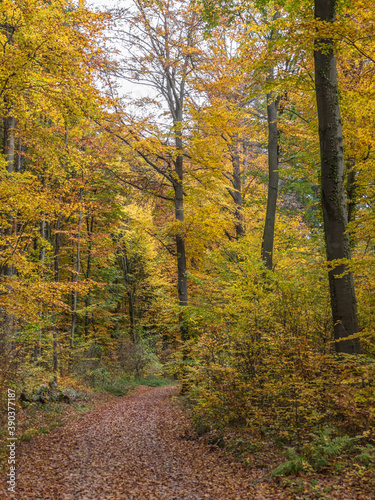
(132, 448)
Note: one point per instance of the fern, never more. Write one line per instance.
(324, 448)
(320, 453)
(295, 464)
(367, 457)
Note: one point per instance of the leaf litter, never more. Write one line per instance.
(134, 448)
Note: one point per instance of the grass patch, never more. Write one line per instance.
(121, 387)
(118, 388)
(325, 463)
(154, 381)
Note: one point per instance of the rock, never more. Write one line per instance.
(39, 395)
(24, 396)
(68, 396)
(43, 389)
(53, 383)
(44, 395)
(38, 399)
(71, 393)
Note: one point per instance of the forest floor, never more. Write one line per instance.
(136, 447)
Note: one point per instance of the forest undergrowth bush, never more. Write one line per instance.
(283, 388)
(317, 407)
(320, 453)
(117, 370)
(263, 360)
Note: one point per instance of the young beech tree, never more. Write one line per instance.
(141, 267)
(227, 132)
(226, 144)
(257, 45)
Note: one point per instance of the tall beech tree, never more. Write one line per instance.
(273, 163)
(343, 300)
(273, 180)
(160, 40)
(226, 135)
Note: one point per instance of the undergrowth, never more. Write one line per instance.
(322, 452)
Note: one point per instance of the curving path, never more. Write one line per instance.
(132, 448)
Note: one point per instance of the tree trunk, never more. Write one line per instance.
(56, 250)
(9, 120)
(180, 238)
(20, 151)
(273, 181)
(9, 124)
(54, 346)
(8, 151)
(42, 255)
(75, 277)
(351, 188)
(9, 142)
(56, 270)
(343, 301)
(132, 314)
(8, 269)
(90, 228)
(130, 293)
(236, 193)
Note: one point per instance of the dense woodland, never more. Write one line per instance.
(217, 223)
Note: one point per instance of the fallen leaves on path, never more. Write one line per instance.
(132, 448)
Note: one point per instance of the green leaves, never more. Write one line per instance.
(320, 453)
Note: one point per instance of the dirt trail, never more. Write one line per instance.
(132, 448)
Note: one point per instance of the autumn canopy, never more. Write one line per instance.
(188, 187)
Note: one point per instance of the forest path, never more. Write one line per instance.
(131, 448)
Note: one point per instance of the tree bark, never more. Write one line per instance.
(9, 120)
(42, 255)
(56, 272)
(9, 142)
(180, 238)
(351, 188)
(90, 229)
(132, 315)
(54, 346)
(126, 269)
(20, 156)
(56, 250)
(7, 269)
(8, 151)
(343, 300)
(236, 193)
(273, 181)
(75, 277)
(9, 124)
